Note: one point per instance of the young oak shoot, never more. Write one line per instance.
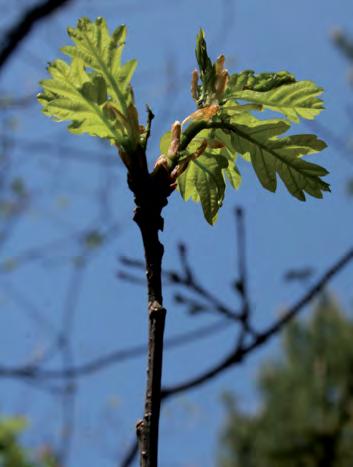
(93, 92)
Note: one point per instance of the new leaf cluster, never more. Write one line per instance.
(226, 126)
(94, 93)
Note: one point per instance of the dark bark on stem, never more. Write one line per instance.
(151, 192)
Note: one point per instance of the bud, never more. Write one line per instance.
(220, 64)
(194, 85)
(179, 169)
(175, 142)
(176, 130)
(221, 83)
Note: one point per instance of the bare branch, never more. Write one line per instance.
(241, 284)
(130, 455)
(22, 28)
(30, 372)
(237, 355)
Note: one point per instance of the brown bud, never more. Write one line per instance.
(175, 142)
(194, 84)
(221, 83)
(176, 130)
(220, 64)
(179, 169)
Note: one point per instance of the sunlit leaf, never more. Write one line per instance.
(292, 100)
(271, 155)
(203, 181)
(249, 80)
(95, 81)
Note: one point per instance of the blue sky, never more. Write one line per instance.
(282, 233)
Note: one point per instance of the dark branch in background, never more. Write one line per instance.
(22, 28)
(37, 372)
(241, 284)
(16, 102)
(343, 43)
(186, 279)
(130, 455)
(238, 354)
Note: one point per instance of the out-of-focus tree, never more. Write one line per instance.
(12, 452)
(306, 414)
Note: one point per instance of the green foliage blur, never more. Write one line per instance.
(13, 454)
(306, 413)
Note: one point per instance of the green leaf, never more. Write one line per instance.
(164, 142)
(102, 52)
(292, 100)
(301, 145)
(74, 95)
(207, 70)
(203, 181)
(203, 60)
(248, 80)
(270, 156)
(94, 91)
(231, 172)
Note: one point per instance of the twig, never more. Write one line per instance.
(150, 117)
(151, 192)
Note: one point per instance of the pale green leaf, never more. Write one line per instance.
(301, 145)
(95, 82)
(203, 181)
(102, 52)
(248, 80)
(292, 100)
(165, 142)
(270, 156)
(74, 95)
(231, 172)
